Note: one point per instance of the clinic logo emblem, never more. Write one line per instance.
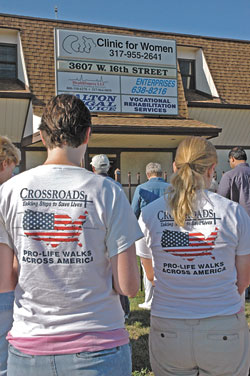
(81, 81)
(188, 245)
(73, 44)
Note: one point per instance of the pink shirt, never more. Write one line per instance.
(70, 343)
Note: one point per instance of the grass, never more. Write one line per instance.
(247, 310)
(138, 328)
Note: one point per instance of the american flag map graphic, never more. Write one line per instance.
(52, 228)
(188, 245)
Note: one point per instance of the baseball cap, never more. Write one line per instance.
(100, 161)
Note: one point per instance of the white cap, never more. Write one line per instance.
(100, 162)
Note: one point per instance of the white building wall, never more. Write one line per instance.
(35, 158)
(203, 77)
(22, 72)
(235, 124)
(204, 80)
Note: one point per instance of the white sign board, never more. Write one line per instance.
(148, 86)
(89, 83)
(118, 73)
(149, 105)
(99, 102)
(117, 68)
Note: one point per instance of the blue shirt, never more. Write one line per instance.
(109, 178)
(148, 192)
(235, 185)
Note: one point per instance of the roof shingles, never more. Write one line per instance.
(228, 60)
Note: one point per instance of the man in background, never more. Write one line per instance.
(100, 166)
(144, 194)
(9, 158)
(235, 184)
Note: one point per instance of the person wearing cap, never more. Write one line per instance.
(100, 166)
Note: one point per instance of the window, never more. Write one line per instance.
(8, 60)
(187, 68)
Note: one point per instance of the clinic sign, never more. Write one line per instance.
(117, 73)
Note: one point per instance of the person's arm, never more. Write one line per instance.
(136, 203)
(8, 272)
(224, 186)
(148, 266)
(144, 251)
(243, 272)
(125, 272)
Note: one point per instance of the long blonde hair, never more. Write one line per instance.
(8, 151)
(193, 157)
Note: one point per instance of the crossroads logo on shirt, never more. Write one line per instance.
(188, 245)
(52, 228)
(201, 217)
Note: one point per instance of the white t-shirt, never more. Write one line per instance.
(194, 267)
(64, 224)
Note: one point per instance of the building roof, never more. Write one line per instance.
(146, 126)
(148, 122)
(13, 88)
(228, 62)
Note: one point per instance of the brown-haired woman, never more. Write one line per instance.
(200, 246)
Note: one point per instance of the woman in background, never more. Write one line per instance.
(9, 158)
(199, 243)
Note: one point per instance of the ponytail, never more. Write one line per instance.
(194, 156)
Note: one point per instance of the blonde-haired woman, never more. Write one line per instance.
(199, 243)
(9, 158)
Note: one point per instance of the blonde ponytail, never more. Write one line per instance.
(193, 157)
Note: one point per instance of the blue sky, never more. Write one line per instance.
(216, 18)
